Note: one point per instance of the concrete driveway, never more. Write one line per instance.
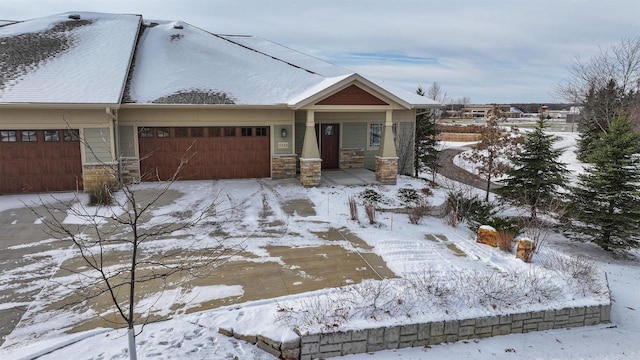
(273, 257)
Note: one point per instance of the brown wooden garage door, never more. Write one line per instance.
(39, 161)
(212, 152)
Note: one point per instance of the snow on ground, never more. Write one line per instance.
(402, 246)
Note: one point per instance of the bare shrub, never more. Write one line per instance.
(370, 210)
(353, 208)
(418, 212)
(329, 311)
(432, 287)
(505, 241)
(101, 191)
(378, 299)
(580, 272)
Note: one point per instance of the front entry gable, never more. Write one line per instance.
(352, 95)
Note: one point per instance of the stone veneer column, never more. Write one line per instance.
(387, 158)
(310, 172)
(310, 161)
(387, 170)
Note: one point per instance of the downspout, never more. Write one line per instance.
(116, 142)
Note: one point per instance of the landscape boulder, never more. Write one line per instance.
(487, 235)
(525, 250)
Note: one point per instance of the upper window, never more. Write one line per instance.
(8, 136)
(146, 132)
(163, 132)
(71, 135)
(51, 135)
(197, 132)
(29, 136)
(329, 130)
(375, 134)
(215, 132)
(182, 132)
(261, 131)
(229, 131)
(246, 131)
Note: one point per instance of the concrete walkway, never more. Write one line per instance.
(348, 177)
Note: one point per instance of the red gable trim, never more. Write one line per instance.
(352, 95)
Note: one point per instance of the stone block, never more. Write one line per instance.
(466, 330)
(505, 319)
(329, 354)
(564, 311)
(408, 338)
(605, 314)
(293, 344)
(376, 347)
(335, 338)
(310, 172)
(274, 344)
(592, 319)
(225, 332)
(424, 331)
(402, 345)
(392, 335)
(435, 340)
(487, 321)
(313, 338)
(549, 315)
(523, 316)
(437, 328)
(291, 354)
(409, 329)
(354, 347)
(310, 348)
(325, 348)
(546, 325)
(481, 330)
(359, 335)
(501, 330)
(576, 311)
(268, 348)
(451, 327)
(451, 338)
(376, 336)
(468, 322)
(283, 167)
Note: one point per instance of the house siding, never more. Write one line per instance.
(97, 146)
(127, 141)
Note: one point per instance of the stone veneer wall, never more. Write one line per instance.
(387, 170)
(94, 175)
(351, 158)
(283, 166)
(130, 170)
(310, 172)
(316, 346)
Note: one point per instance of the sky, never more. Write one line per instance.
(491, 51)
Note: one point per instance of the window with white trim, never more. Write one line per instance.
(375, 135)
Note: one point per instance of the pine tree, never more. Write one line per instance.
(426, 144)
(537, 174)
(606, 201)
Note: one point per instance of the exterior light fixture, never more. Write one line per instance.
(283, 133)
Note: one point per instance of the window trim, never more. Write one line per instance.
(370, 134)
(6, 136)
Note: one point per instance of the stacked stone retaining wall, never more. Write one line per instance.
(317, 346)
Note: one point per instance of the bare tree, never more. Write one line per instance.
(124, 228)
(620, 63)
(496, 147)
(436, 92)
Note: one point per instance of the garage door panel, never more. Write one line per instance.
(213, 155)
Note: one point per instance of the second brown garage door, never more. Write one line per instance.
(211, 152)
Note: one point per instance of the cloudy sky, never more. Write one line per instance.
(488, 50)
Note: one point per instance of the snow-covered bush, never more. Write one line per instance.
(579, 272)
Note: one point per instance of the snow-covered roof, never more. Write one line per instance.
(179, 63)
(71, 58)
(93, 58)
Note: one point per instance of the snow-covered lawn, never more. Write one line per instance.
(409, 251)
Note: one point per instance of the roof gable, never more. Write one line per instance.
(352, 95)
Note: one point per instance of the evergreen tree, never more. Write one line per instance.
(426, 151)
(606, 201)
(601, 107)
(537, 174)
